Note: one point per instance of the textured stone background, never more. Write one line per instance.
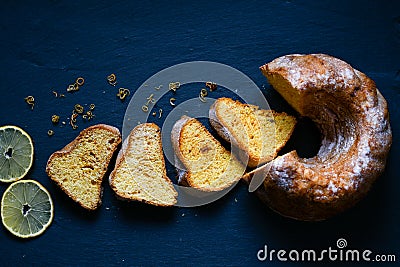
(46, 45)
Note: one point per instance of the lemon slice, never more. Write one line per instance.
(26, 208)
(16, 153)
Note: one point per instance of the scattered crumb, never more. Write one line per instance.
(235, 199)
(107, 208)
(183, 214)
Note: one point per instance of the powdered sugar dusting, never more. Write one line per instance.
(363, 156)
(332, 187)
(324, 71)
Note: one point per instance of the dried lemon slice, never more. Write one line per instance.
(26, 208)
(16, 153)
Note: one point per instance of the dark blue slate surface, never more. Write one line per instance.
(45, 45)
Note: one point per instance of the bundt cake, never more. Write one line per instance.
(353, 118)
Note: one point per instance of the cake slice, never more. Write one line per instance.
(79, 168)
(140, 172)
(259, 133)
(208, 165)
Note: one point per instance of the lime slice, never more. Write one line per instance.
(16, 153)
(26, 208)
